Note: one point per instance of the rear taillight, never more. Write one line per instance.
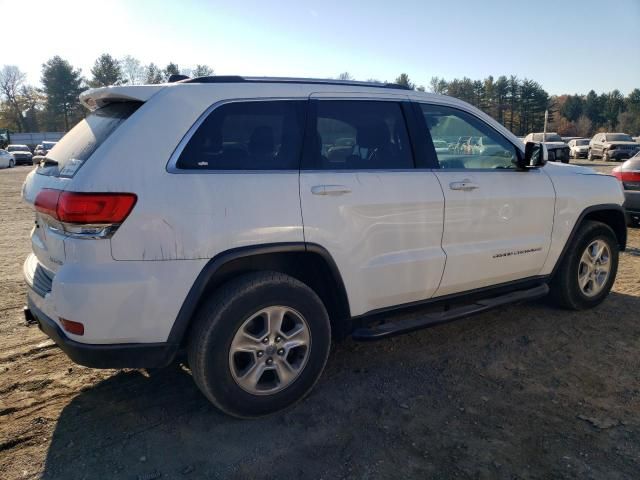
(88, 215)
(630, 180)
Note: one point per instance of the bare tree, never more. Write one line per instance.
(132, 70)
(11, 80)
(345, 76)
(584, 126)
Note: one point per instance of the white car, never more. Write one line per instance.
(21, 154)
(6, 159)
(206, 215)
(441, 146)
(556, 148)
(578, 147)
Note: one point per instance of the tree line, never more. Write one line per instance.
(518, 104)
(55, 106)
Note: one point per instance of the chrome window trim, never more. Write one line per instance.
(171, 166)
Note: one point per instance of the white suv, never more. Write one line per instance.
(247, 221)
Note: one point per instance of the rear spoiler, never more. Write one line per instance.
(95, 98)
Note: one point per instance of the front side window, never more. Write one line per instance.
(472, 144)
(264, 135)
(360, 135)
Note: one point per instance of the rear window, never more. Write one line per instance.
(360, 135)
(263, 135)
(82, 140)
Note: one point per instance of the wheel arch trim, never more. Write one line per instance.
(213, 266)
(620, 235)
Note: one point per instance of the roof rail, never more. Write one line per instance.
(317, 81)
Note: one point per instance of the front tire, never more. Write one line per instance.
(259, 344)
(12, 164)
(588, 269)
(590, 156)
(605, 156)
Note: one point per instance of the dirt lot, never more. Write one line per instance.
(524, 392)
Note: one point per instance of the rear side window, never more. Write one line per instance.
(83, 139)
(263, 135)
(359, 135)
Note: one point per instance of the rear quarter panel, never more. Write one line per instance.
(190, 215)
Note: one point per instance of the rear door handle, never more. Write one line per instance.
(465, 185)
(332, 190)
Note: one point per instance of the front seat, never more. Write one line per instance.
(375, 138)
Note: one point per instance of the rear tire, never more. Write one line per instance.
(580, 283)
(605, 156)
(590, 156)
(248, 366)
(12, 164)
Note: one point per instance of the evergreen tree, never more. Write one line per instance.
(171, 69)
(62, 85)
(403, 80)
(106, 71)
(202, 71)
(153, 74)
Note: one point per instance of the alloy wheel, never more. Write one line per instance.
(594, 268)
(269, 350)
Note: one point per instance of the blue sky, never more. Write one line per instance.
(568, 46)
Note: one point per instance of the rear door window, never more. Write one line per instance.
(82, 140)
(359, 135)
(261, 135)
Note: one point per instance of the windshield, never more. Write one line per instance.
(48, 145)
(618, 137)
(582, 142)
(79, 144)
(18, 148)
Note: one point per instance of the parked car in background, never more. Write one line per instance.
(629, 174)
(21, 154)
(441, 146)
(543, 137)
(612, 146)
(6, 159)
(486, 146)
(557, 149)
(43, 148)
(578, 148)
(458, 147)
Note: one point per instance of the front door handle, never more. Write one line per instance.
(465, 185)
(332, 190)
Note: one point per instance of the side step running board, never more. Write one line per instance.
(390, 329)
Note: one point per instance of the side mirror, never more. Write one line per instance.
(535, 156)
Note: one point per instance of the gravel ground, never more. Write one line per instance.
(527, 391)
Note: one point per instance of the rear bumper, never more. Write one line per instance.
(128, 355)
